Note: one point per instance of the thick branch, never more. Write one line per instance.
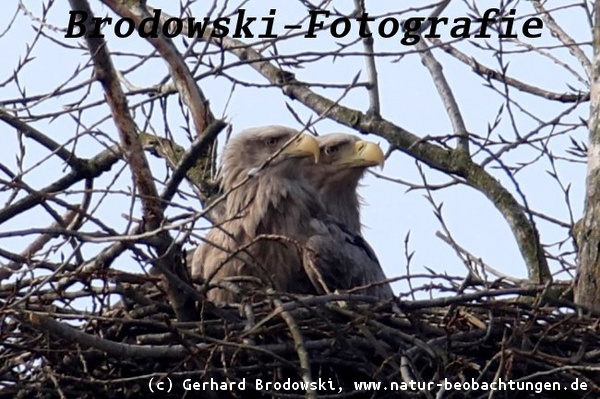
(116, 349)
(169, 255)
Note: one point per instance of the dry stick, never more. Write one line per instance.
(490, 73)
(55, 382)
(463, 298)
(477, 260)
(298, 345)
(42, 240)
(70, 221)
(309, 302)
(555, 59)
(445, 92)
(411, 339)
(564, 38)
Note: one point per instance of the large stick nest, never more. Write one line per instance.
(472, 333)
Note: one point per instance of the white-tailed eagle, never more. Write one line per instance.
(276, 229)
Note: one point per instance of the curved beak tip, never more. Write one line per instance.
(305, 145)
(370, 153)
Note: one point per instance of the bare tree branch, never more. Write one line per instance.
(564, 38)
(456, 119)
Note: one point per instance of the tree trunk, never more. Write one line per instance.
(587, 290)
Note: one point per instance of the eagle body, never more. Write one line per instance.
(261, 208)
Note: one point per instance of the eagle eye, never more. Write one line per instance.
(271, 141)
(332, 149)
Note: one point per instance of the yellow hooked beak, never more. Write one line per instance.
(366, 153)
(303, 146)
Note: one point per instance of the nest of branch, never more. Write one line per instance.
(331, 343)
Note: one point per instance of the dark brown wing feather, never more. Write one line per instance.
(336, 259)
